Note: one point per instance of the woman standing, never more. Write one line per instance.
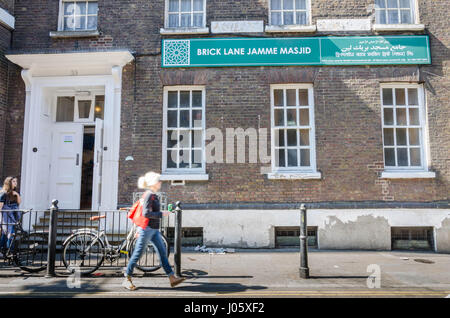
(148, 230)
(9, 203)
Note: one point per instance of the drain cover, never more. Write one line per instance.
(426, 261)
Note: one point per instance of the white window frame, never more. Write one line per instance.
(166, 24)
(179, 172)
(76, 118)
(61, 16)
(309, 172)
(308, 14)
(412, 9)
(402, 171)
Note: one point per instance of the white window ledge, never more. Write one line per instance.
(185, 177)
(291, 28)
(74, 34)
(408, 175)
(294, 175)
(177, 31)
(398, 27)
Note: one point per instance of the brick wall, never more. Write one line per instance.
(347, 103)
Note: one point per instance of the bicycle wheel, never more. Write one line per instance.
(82, 255)
(32, 252)
(149, 261)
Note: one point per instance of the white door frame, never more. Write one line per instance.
(34, 105)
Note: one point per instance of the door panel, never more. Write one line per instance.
(67, 152)
(98, 161)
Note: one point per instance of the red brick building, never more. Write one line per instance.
(87, 105)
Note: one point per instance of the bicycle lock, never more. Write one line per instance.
(51, 253)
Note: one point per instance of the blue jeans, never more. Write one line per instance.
(154, 236)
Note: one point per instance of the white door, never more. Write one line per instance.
(98, 160)
(67, 159)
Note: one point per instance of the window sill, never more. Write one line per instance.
(185, 177)
(398, 27)
(74, 34)
(178, 31)
(408, 175)
(294, 175)
(291, 28)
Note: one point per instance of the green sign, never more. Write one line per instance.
(354, 50)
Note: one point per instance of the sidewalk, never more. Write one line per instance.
(257, 273)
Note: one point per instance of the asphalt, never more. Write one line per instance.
(256, 274)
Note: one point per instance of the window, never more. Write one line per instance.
(289, 12)
(403, 127)
(185, 13)
(394, 11)
(292, 128)
(79, 108)
(184, 126)
(78, 15)
(412, 238)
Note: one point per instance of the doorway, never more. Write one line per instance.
(87, 168)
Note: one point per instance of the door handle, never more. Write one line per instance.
(78, 159)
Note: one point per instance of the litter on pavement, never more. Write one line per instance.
(209, 250)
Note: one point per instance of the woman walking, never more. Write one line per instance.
(9, 203)
(148, 230)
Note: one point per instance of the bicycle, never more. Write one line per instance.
(92, 245)
(28, 250)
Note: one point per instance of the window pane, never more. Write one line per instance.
(413, 116)
(92, 23)
(388, 136)
(387, 96)
(405, 16)
(400, 96)
(279, 138)
(401, 136)
(99, 106)
(303, 97)
(69, 8)
(84, 108)
(392, 3)
(290, 97)
(300, 4)
(301, 18)
(292, 137)
(288, 4)
(402, 157)
(198, 19)
(415, 156)
(292, 117)
(413, 98)
(173, 20)
(196, 158)
(275, 4)
(184, 118)
(401, 116)
(393, 17)
(172, 119)
(304, 117)
(171, 159)
(405, 3)
(184, 99)
(279, 117)
(380, 3)
(185, 20)
(292, 158)
(69, 23)
(185, 5)
(65, 108)
(197, 118)
(305, 158)
(276, 18)
(80, 8)
(304, 137)
(196, 140)
(184, 138)
(173, 5)
(288, 18)
(198, 5)
(389, 157)
(388, 116)
(280, 160)
(80, 23)
(197, 98)
(92, 7)
(184, 158)
(414, 139)
(172, 138)
(172, 99)
(380, 16)
(278, 97)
